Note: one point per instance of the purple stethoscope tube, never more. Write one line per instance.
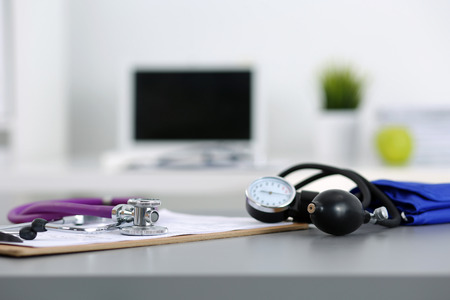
(57, 209)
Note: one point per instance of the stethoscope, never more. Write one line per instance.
(136, 216)
(273, 199)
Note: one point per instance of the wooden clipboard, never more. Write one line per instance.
(21, 251)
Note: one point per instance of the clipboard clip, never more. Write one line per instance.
(143, 213)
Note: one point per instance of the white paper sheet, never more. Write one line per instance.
(177, 223)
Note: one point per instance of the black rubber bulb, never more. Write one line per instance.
(336, 212)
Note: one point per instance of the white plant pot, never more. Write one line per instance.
(336, 137)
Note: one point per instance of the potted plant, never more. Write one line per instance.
(342, 88)
(342, 92)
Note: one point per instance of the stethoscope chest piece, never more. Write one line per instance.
(143, 213)
(144, 230)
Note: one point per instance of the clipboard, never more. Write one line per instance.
(21, 251)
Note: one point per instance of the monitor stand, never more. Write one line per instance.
(194, 156)
(205, 156)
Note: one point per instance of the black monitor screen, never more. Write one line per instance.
(192, 105)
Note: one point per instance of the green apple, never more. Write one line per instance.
(395, 144)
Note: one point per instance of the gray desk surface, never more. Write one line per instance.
(372, 263)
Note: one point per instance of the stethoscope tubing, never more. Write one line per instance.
(57, 209)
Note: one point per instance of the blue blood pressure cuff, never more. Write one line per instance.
(419, 203)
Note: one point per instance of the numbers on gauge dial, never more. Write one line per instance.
(271, 192)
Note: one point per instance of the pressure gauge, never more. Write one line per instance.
(268, 199)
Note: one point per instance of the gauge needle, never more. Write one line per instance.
(270, 192)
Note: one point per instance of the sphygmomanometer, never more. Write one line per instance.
(388, 203)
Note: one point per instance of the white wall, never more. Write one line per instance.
(2, 61)
(403, 47)
(39, 59)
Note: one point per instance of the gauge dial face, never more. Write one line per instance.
(271, 192)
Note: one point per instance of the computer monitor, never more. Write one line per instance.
(203, 114)
(183, 105)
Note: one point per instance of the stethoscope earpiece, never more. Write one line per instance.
(30, 232)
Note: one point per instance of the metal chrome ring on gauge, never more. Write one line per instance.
(268, 199)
